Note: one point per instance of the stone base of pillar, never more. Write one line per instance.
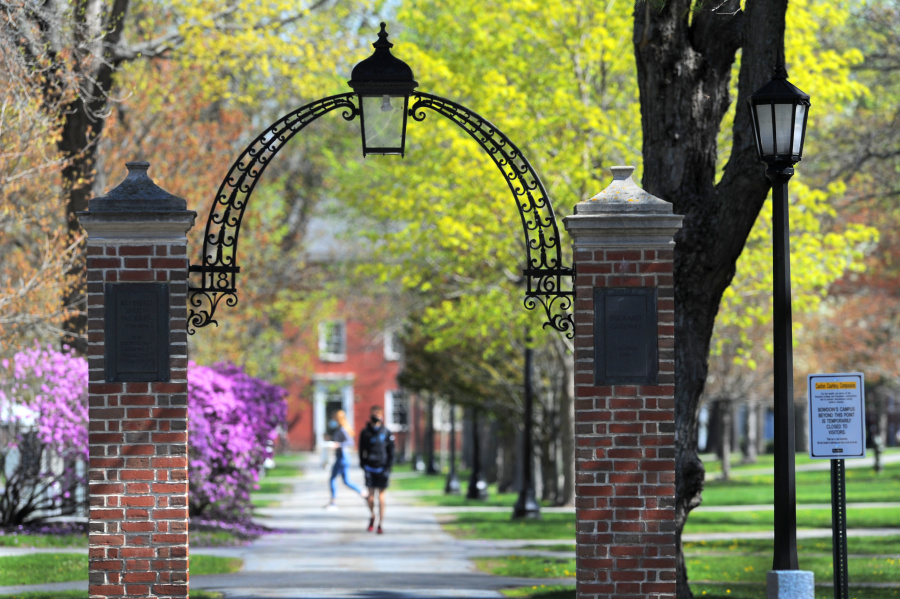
(790, 584)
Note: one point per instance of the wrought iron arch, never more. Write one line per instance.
(548, 280)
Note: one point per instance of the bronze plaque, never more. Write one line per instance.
(625, 336)
(137, 332)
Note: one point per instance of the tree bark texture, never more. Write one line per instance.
(73, 47)
(567, 424)
(749, 447)
(684, 58)
(725, 423)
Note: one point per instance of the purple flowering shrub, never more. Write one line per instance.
(43, 435)
(233, 420)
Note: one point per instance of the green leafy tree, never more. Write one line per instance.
(568, 98)
(75, 52)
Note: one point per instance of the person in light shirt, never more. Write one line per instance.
(342, 439)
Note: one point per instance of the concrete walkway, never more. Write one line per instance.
(328, 554)
(325, 554)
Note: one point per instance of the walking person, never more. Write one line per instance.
(376, 456)
(342, 439)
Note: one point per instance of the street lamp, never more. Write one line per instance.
(452, 487)
(778, 111)
(383, 83)
(477, 486)
(527, 505)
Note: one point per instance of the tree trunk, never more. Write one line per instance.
(83, 123)
(751, 431)
(725, 425)
(430, 466)
(801, 426)
(506, 476)
(567, 431)
(881, 437)
(684, 59)
(762, 412)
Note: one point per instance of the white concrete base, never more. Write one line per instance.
(790, 584)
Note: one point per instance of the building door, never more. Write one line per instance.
(330, 396)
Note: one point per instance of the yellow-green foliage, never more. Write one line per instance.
(823, 246)
(566, 97)
(245, 51)
(559, 78)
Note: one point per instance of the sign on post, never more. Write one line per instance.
(837, 430)
(837, 416)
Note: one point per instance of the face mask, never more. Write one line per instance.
(375, 419)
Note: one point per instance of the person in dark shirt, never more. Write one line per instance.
(376, 456)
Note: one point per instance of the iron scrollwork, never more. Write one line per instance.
(218, 271)
(548, 279)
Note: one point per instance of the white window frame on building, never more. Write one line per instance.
(333, 341)
(327, 387)
(391, 346)
(391, 398)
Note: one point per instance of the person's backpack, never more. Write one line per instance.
(376, 451)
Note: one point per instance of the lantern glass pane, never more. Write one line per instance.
(783, 129)
(766, 133)
(755, 135)
(383, 122)
(799, 118)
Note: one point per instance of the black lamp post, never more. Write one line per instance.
(451, 487)
(383, 83)
(527, 505)
(477, 486)
(430, 466)
(778, 111)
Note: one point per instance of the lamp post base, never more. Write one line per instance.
(452, 486)
(790, 584)
(527, 506)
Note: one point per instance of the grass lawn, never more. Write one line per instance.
(704, 591)
(84, 595)
(551, 547)
(700, 521)
(527, 566)
(714, 466)
(558, 526)
(863, 485)
(855, 546)
(492, 525)
(433, 485)
(14, 540)
(271, 487)
(759, 592)
(39, 568)
(285, 467)
(542, 592)
(753, 568)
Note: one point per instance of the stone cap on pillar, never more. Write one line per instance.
(137, 193)
(623, 216)
(137, 209)
(623, 196)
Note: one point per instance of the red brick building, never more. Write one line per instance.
(354, 367)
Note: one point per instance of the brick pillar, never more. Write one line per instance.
(624, 392)
(137, 270)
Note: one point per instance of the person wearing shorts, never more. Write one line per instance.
(376, 456)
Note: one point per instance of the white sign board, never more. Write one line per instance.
(837, 416)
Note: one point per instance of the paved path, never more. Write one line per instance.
(329, 554)
(325, 554)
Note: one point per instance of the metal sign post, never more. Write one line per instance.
(837, 431)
